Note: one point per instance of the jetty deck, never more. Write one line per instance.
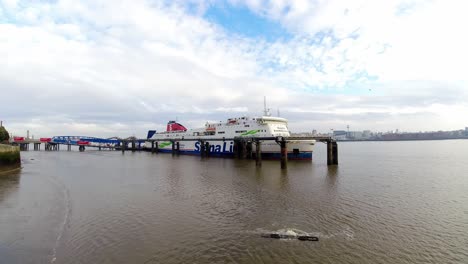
(243, 146)
(240, 146)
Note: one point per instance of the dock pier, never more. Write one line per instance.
(243, 147)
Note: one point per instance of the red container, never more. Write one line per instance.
(18, 138)
(45, 139)
(82, 143)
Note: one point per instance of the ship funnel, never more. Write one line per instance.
(174, 126)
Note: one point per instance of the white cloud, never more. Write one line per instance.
(123, 67)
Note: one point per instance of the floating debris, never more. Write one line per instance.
(290, 234)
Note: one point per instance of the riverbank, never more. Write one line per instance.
(9, 157)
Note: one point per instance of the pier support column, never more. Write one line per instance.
(249, 149)
(235, 148)
(152, 146)
(133, 146)
(124, 145)
(258, 153)
(207, 149)
(284, 154)
(177, 147)
(24, 146)
(68, 147)
(244, 149)
(202, 148)
(156, 147)
(173, 148)
(332, 153)
(335, 152)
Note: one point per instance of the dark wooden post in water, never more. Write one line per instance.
(249, 149)
(152, 146)
(124, 145)
(133, 145)
(332, 152)
(207, 149)
(24, 146)
(177, 147)
(156, 147)
(284, 154)
(68, 147)
(235, 148)
(244, 149)
(173, 147)
(37, 146)
(258, 153)
(202, 148)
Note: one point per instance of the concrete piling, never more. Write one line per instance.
(284, 154)
(249, 149)
(207, 149)
(235, 149)
(332, 152)
(258, 153)
(202, 148)
(244, 149)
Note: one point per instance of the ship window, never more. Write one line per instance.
(220, 132)
(247, 125)
(241, 131)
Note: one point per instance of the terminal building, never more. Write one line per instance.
(340, 135)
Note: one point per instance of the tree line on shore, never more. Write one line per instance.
(4, 135)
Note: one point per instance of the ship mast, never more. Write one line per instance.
(266, 111)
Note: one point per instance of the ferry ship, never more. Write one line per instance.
(264, 126)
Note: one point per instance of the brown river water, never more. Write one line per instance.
(386, 202)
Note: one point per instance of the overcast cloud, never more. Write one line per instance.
(105, 68)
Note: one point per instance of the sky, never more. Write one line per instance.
(120, 68)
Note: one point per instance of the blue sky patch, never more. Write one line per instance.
(241, 21)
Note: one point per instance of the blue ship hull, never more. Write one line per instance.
(265, 155)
